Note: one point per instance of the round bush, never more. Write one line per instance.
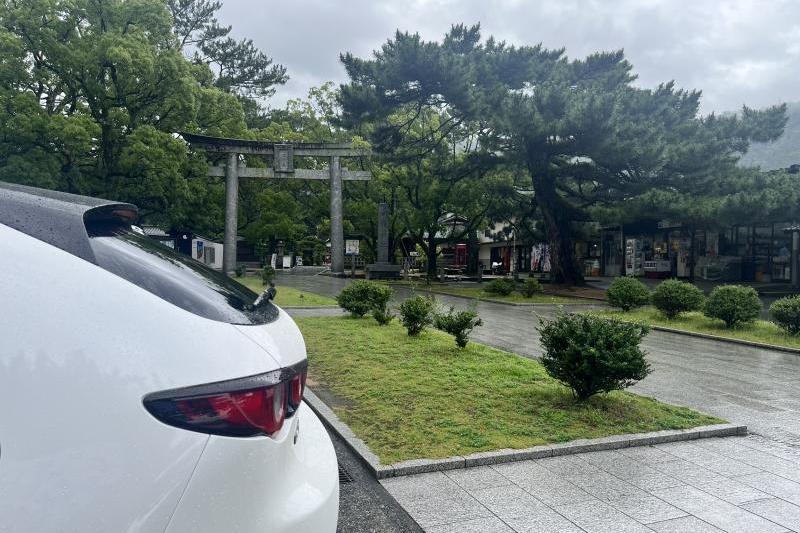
(733, 304)
(459, 324)
(500, 286)
(267, 275)
(591, 354)
(383, 315)
(673, 297)
(380, 297)
(416, 314)
(627, 293)
(361, 297)
(531, 287)
(786, 313)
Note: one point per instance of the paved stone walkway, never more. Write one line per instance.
(749, 484)
(733, 485)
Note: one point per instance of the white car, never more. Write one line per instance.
(143, 392)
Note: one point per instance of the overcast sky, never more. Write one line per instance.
(736, 51)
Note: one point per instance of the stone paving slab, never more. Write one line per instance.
(599, 492)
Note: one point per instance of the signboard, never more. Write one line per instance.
(199, 250)
(351, 246)
(284, 158)
(665, 224)
(633, 257)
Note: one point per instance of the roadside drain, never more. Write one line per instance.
(344, 475)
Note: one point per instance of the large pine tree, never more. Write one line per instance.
(580, 133)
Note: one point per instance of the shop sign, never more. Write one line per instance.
(664, 224)
(351, 246)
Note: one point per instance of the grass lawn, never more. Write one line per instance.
(757, 331)
(288, 296)
(410, 398)
(480, 294)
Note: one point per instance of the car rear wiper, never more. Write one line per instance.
(266, 296)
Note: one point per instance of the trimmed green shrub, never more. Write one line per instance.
(362, 297)
(627, 293)
(591, 354)
(673, 297)
(416, 314)
(241, 270)
(733, 304)
(267, 275)
(500, 286)
(786, 313)
(383, 315)
(531, 287)
(459, 324)
(380, 298)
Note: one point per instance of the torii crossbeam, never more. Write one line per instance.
(283, 167)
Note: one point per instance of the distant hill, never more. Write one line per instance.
(781, 153)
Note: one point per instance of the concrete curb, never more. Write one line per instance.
(594, 301)
(709, 336)
(567, 295)
(419, 466)
(331, 306)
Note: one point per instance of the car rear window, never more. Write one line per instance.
(177, 278)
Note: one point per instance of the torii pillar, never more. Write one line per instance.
(337, 230)
(283, 167)
(231, 213)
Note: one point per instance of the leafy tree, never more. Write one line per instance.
(782, 153)
(239, 66)
(293, 211)
(280, 217)
(441, 185)
(581, 133)
(92, 93)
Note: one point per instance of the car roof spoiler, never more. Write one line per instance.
(60, 218)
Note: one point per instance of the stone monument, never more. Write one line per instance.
(382, 269)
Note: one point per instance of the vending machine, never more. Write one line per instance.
(633, 257)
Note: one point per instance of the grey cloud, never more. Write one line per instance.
(737, 52)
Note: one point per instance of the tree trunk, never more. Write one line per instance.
(564, 266)
(473, 245)
(431, 252)
(692, 253)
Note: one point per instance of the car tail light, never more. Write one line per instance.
(244, 407)
(296, 387)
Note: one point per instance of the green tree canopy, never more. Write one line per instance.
(238, 66)
(92, 92)
(235, 66)
(578, 131)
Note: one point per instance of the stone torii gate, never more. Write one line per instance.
(283, 167)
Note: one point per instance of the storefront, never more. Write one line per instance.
(763, 252)
(759, 252)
